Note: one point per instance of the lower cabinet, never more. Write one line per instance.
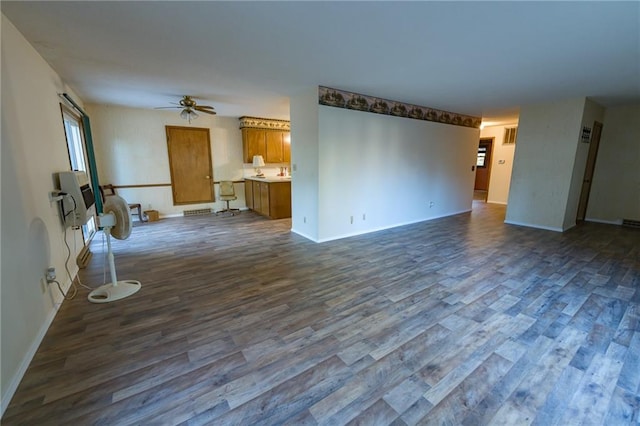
(248, 193)
(271, 199)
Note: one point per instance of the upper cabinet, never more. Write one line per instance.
(266, 137)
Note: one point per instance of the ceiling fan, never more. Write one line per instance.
(189, 108)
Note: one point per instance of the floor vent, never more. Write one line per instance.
(631, 223)
(84, 257)
(197, 212)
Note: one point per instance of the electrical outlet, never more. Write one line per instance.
(51, 275)
(431, 204)
(304, 219)
(364, 216)
(351, 220)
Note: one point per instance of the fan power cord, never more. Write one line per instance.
(64, 296)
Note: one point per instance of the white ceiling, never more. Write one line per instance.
(247, 58)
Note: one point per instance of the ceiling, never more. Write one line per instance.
(246, 58)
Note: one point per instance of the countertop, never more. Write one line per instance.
(270, 179)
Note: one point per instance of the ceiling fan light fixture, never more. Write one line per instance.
(188, 114)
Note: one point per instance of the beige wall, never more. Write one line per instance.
(387, 171)
(548, 137)
(501, 164)
(131, 149)
(33, 150)
(615, 191)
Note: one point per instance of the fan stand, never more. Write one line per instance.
(115, 290)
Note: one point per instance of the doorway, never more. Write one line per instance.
(588, 171)
(483, 169)
(190, 165)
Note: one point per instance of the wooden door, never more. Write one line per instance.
(588, 171)
(483, 164)
(190, 165)
(274, 147)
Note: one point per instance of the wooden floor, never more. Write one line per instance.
(458, 321)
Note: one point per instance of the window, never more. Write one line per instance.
(510, 134)
(77, 156)
(482, 157)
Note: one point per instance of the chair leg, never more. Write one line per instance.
(142, 219)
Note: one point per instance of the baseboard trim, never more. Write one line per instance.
(24, 365)
(383, 228)
(531, 225)
(303, 235)
(608, 222)
(502, 203)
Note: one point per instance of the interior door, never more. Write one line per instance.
(190, 165)
(483, 164)
(588, 171)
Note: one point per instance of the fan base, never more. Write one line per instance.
(109, 292)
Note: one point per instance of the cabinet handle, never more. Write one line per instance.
(207, 177)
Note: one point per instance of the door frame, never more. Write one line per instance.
(589, 168)
(490, 141)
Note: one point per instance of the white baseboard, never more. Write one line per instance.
(531, 225)
(28, 357)
(302, 234)
(608, 222)
(382, 228)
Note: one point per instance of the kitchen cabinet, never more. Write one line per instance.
(248, 193)
(273, 145)
(270, 197)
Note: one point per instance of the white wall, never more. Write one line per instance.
(387, 171)
(304, 163)
(548, 135)
(592, 112)
(131, 149)
(33, 150)
(615, 190)
(500, 178)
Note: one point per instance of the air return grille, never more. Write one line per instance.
(197, 212)
(631, 223)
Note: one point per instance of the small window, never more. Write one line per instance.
(77, 156)
(482, 157)
(510, 134)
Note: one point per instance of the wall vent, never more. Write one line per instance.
(631, 223)
(197, 212)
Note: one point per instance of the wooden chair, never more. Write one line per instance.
(107, 190)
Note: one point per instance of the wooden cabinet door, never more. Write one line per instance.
(254, 143)
(264, 198)
(257, 205)
(248, 193)
(274, 147)
(280, 200)
(286, 147)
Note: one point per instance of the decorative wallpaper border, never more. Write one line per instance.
(264, 123)
(349, 100)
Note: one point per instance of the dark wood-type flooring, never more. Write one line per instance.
(458, 321)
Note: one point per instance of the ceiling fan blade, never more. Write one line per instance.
(205, 106)
(206, 111)
(172, 107)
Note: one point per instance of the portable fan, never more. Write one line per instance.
(116, 222)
